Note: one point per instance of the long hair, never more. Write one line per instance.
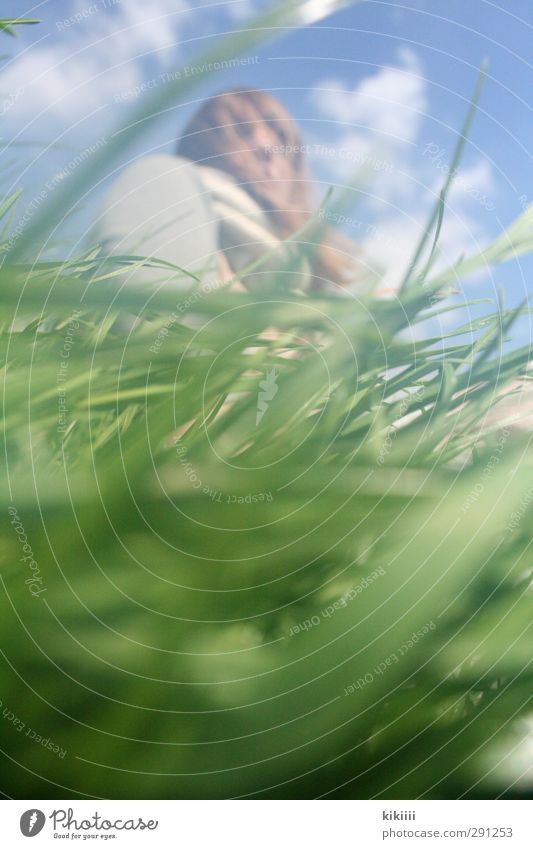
(216, 135)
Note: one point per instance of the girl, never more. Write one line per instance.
(237, 187)
(252, 163)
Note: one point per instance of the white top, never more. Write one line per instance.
(168, 208)
(158, 208)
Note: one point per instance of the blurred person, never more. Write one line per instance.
(238, 185)
(252, 162)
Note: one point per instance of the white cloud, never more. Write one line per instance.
(242, 9)
(388, 109)
(475, 184)
(391, 244)
(90, 54)
(388, 105)
(138, 28)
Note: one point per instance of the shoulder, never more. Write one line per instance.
(225, 189)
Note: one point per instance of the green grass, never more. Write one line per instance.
(190, 641)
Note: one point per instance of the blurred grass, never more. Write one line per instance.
(166, 654)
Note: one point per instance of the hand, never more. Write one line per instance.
(225, 273)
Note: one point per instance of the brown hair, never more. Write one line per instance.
(214, 136)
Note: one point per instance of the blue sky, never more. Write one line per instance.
(388, 82)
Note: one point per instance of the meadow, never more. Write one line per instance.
(247, 563)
